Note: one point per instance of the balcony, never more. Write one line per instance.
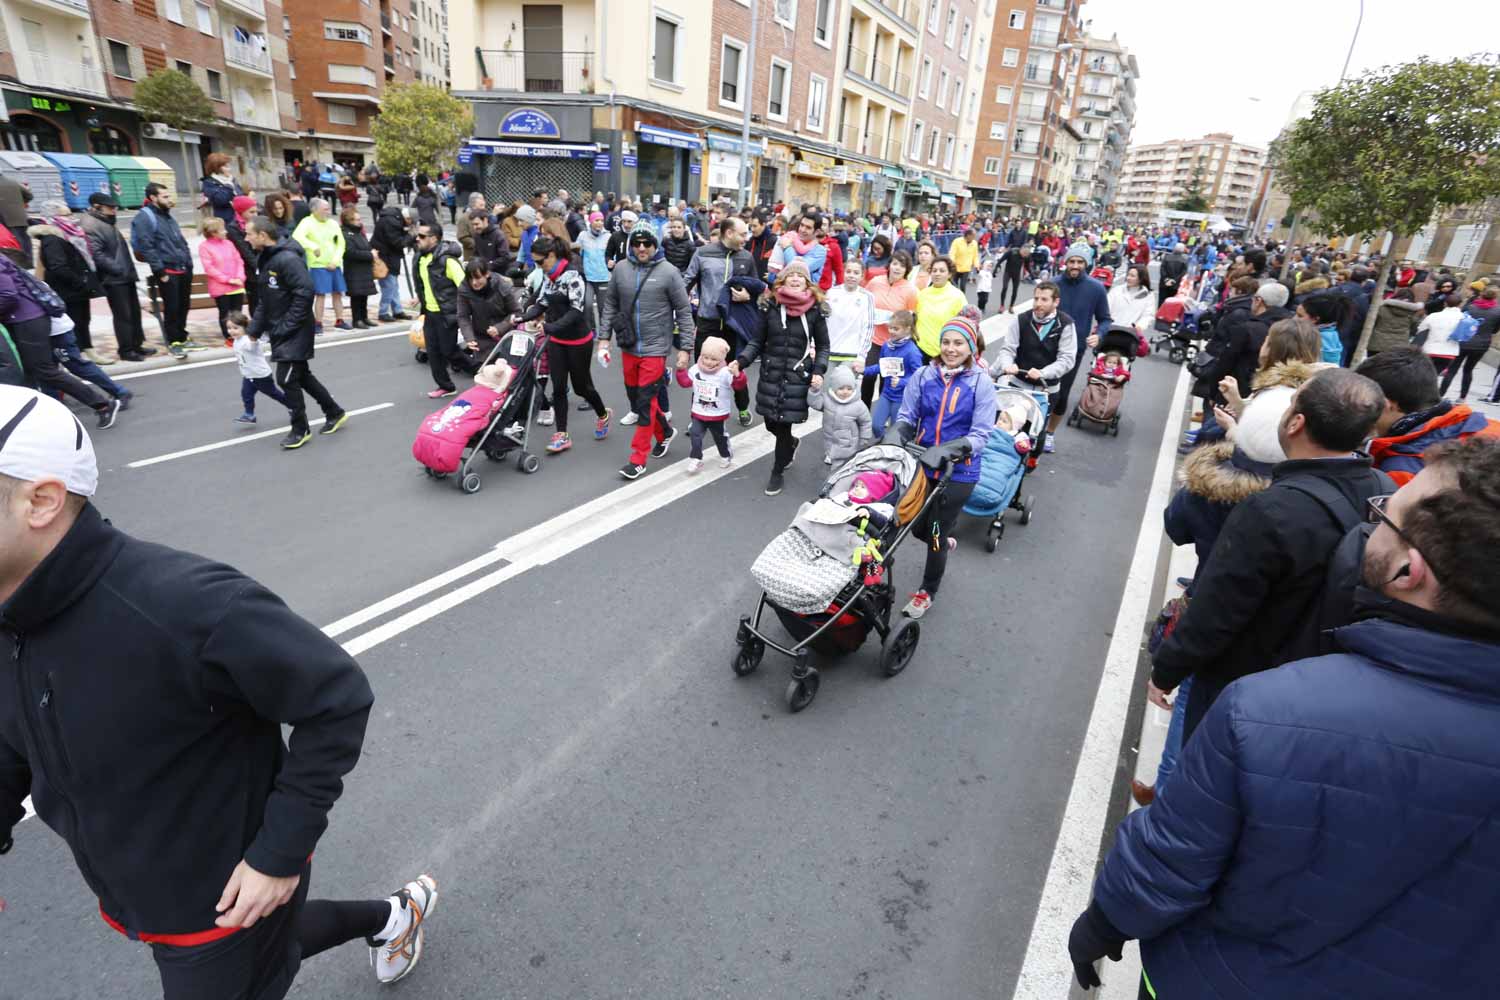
(1043, 39)
(40, 70)
(1032, 112)
(260, 112)
(390, 64)
(385, 23)
(857, 140)
(255, 8)
(74, 8)
(903, 9)
(1026, 147)
(536, 71)
(252, 56)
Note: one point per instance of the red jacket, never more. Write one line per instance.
(833, 267)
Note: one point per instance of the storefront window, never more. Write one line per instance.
(28, 133)
(110, 141)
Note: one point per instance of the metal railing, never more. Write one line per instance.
(1044, 39)
(385, 22)
(45, 71)
(255, 115)
(390, 62)
(536, 71)
(858, 62)
(78, 7)
(1032, 112)
(1026, 147)
(883, 74)
(249, 56)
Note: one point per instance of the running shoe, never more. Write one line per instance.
(1048, 448)
(560, 443)
(695, 466)
(659, 450)
(632, 471)
(245, 418)
(774, 484)
(918, 605)
(726, 462)
(295, 439)
(126, 398)
(175, 349)
(394, 958)
(107, 414)
(188, 345)
(515, 430)
(545, 418)
(334, 424)
(630, 419)
(442, 393)
(229, 342)
(601, 426)
(342, 325)
(745, 418)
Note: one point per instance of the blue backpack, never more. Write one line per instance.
(1465, 330)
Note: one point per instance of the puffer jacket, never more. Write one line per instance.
(1329, 830)
(1488, 314)
(283, 307)
(491, 306)
(645, 307)
(846, 424)
(63, 264)
(1256, 433)
(441, 270)
(1217, 357)
(1400, 453)
(679, 252)
(359, 261)
(1214, 478)
(791, 350)
(941, 411)
(1395, 325)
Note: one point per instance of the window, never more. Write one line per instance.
(997, 131)
(935, 145)
(817, 102)
(965, 38)
(291, 66)
(345, 31)
(297, 110)
(926, 83)
(215, 85)
(351, 74)
(205, 18)
(1088, 128)
(664, 49)
(342, 114)
(1002, 95)
(119, 60)
(1017, 20)
(731, 73)
(948, 153)
(174, 11)
(823, 22)
(791, 14)
(1010, 57)
(942, 91)
(952, 30)
(958, 98)
(916, 141)
(973, 105)
(286, 26)
(185, 68)
(932, 15)
(992, 165)
(777, 91)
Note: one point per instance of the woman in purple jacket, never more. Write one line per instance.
(30, 328)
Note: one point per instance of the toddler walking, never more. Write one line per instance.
(713, 393)
(986, 282)
(255, 370)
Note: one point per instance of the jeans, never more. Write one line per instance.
(645, 382)
(1173, 745)
(390, 295)
(882, 414)
(266, 386)
(33, 338)
(294, 376)
(125, 307)
(84, 368)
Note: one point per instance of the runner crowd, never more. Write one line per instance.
(1344, 513)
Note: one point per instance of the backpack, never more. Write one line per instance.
(42, 292)
(1464, 331)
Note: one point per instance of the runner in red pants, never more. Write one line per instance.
(645, 307)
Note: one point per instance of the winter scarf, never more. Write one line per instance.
(795, 303)
(74, 235)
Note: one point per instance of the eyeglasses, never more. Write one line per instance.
(1375, 514)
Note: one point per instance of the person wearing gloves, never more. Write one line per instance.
(647, 312)
(322, 238)
(949, 400)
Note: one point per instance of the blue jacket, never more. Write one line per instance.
(744, 318)
(946, 411)
(1331, 829)
(221, 197)
(912, 361)
(157, 237)
(1086, 300)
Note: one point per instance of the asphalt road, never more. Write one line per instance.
(609, 811)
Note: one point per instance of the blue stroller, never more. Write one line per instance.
(1003, 467)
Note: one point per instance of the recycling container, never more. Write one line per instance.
(35, 171)
(127, 179)
(81, 176)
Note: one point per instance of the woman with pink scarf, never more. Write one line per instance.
(64, 262)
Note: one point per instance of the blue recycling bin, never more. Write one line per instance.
(81, 176)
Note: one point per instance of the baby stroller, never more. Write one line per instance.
(480, 420)
(1009, 457)
(828, 577)
(1174, 330)
(1041, 262)
(1104, 275)
(1102, 396)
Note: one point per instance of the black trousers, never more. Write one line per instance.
(571, 362)
(1465, 360)
(870, 384)
(293, 378)
(176, 296)
(786, 444)
(261, 962)
(359, 309)
(940, 521)
(442, 346)
(983, 300)
(715, 328)
(695, 435)
(1010, 280)
(79, 313)
(227, 306)
(125, 306)
(33, 339)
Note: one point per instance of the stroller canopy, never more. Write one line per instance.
(1007, 396)
(1120, 339)
(897, 461)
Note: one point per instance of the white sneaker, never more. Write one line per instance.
(544, 418)
(727, 462)
(515, 430)
(394, 959)
(695, 465)
(629, 419)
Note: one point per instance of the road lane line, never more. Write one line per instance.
(1047, 972)
(195, 365)
(561, 535)
(389, 604)
(187, 452)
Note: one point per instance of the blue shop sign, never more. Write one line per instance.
(601, 163)
(531, 123)
(667, 137)
(695, 168)
(549, 151)
(627, 160)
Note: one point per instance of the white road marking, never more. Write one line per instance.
(187, 452)
(552, 539)
(1046, 972)
(26, 804)
(195, 365)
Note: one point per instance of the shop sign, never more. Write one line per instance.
(668, 137)
(465, 155)
(695, 168)
(531, 123)
(601, 163)
(732, 145)
(628, 161)
(556, 151)
(50, 104)
(839, 174)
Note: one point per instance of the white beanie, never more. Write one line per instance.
(1256, 434)
(41, 439)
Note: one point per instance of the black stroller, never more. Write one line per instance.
(829, 604)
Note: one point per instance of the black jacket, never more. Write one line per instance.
(491, 306)
(679, 252)
(390, 237)
(1216, 358)
(425, 205)
(142, 706)
(786, 366)
(1173, 266)
(443, 288)
(490, 246)
(283, 306)
(66, 270)
(113, 261)
(1255, 600)
(359, 262)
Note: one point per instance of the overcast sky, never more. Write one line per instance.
(1201, 65)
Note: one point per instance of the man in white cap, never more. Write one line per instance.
(161, 762)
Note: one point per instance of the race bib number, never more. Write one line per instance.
(892, 367)
(520, 343)
(708, 394)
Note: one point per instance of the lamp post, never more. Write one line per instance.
(747, 98)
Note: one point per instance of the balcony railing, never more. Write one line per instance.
(255, 8)
(903, 9)
(77, 8)
(1026, 147)
(45, 71)
(261, 114)
(536, 71)
(1044, 39)
(1032, 112)
(385, 22)
(245, 55)
(390, 63)
(858, 61)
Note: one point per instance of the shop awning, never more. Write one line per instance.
(731, 144)
(668, 137)
(895, 172)
(541, 151)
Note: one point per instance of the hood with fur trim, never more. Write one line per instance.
(1288, 373)
(1220, 473)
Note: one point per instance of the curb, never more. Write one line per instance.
(219, 353)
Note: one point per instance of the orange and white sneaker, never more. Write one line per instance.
(393, 959)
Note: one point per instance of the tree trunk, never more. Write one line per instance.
(1375, 300)
(1291, 241)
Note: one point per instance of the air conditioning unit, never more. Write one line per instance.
(150, 130)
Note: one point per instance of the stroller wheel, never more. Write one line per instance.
(528, 463)
(471, 483)
(1026, 511)
(421, 357)
(899, 649)
(992, 543)
(800, 693)
(748, 657)
(1114, 427)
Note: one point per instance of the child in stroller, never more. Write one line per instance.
(1010, 455)
(1106, 387)
(1173, 330)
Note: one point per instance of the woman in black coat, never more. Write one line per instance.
(390, 240)
(66, 269)
(792, 346)
(359, 267)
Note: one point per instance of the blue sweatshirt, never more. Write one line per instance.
(906, 350)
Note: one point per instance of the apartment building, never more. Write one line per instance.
(1104, 114)
(934, 174)
(1156, 175)
(430, 41)
(68, 69)
(343, 55)
(882, 40)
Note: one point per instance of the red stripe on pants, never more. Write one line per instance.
(642, 376)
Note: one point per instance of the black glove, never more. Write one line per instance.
(1093, 937)
(898, 434)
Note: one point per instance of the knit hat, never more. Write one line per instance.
(1082, 251)
(967, 328)
(596, 216)
(877, 484)
(526, 215)
(642, 232)
(496, 376)
(796, 264)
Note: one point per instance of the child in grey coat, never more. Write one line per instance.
(846, 419)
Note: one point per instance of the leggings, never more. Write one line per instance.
(231, 303)
(786, 444)
(870, 384)
(1465, 360)
(1011, 279)
(941, 521)
(571, 360)
(695, 435)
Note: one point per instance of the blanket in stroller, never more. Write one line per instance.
(444, 435)
(1000, 473)
(1101, 399)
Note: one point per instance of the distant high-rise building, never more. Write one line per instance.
(1104, 114)
(1157, 175)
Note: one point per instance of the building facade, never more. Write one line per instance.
(1104, 114)
(430, 41)
(881, 42)
(1155, 176)
(949, 30)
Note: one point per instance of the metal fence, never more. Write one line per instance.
(536, 71)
